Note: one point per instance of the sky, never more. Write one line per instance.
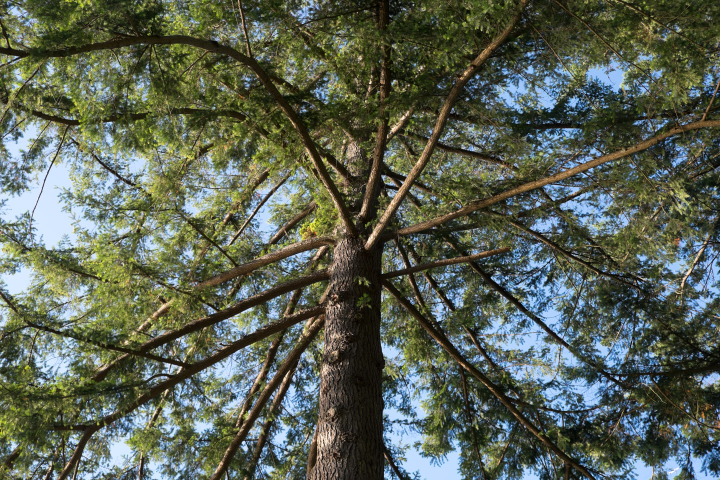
(53, 222)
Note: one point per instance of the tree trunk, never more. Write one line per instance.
(349, 438)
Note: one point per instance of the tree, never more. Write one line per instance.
(450, 183)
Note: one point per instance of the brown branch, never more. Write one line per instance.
(447, 107)
(244, 27)
(564, 252)
(401, 178)
(411, 277)
(695, 262)
(312, 453)
(257, 208)
(444, 262)
(217, 317)
(10, 459)
(104, 165)
(466, 153)
(265, 431)
(251, 63)
(389, 459)
(371, 188)
(469, 415)
(267, 259)
(272, 350)
(197, 367)
(289, 364)
(431, 281)
(526, 187)
(77, 454)
(508, 296)
(401, 123)
(443, 341)
(140, 116)
(105, 346)
(292, 222)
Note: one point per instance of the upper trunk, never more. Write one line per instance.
(349, 436)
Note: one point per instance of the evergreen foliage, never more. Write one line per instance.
(219, 151)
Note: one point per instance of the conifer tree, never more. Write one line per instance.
(305, 228)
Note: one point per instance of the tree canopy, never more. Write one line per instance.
(535, 248)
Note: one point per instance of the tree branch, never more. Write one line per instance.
(495, 286)
(289, 364)
(465, 153)
(382, 131)
(292, 222)
(444, 262)
(257, 208)
(452, 97)
(526, 187)
(217, 317)
(443, 341)
(251, 63)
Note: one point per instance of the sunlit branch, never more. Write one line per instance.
(383, 128)
(695, 261)
(289, 364)
(267, 259)
(444, 262)
(218, 317)
(439, 127)
(272, 350)
(292, 222)
(494, 389)
(526, 187)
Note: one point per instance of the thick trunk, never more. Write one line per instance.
(349, 436)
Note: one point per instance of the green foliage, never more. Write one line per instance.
(171, 147)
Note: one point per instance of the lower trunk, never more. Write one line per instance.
(349, 435)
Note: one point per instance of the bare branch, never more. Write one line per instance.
(454, 94)
(444, 262)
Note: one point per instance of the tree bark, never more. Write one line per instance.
(349, 437)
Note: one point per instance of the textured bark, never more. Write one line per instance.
(349, 437)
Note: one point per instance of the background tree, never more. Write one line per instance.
(546, 244)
